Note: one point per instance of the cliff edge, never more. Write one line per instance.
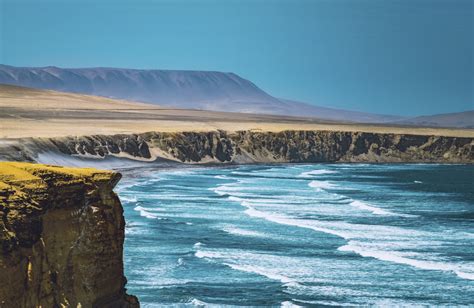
(250, 147)
(61, 238)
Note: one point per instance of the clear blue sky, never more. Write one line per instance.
(405, 57)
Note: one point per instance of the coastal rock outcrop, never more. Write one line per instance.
(254, 147)
(61, 238)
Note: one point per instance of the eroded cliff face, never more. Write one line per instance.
(61, 237)
(256, 147)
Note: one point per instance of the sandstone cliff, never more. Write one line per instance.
(254, 147)
(61, 237)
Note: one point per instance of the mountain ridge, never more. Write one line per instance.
(193, 89)
(188, 89)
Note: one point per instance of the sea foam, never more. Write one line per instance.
(242, 232)
(316, 172)
(144, 212)
(321, 185)
(396, 257)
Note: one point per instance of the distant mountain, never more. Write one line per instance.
(216, 91)
(204, 90)
(177, 88)
(459, 119)
(334, 114)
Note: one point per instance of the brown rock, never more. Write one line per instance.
(61, 236)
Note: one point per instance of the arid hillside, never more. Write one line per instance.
(28, 112)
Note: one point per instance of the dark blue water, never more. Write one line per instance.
(301, 235)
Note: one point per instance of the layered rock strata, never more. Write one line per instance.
(61, 238)
(254, 147)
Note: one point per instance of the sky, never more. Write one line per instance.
(404, 57)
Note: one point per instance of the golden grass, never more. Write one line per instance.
(31, 176)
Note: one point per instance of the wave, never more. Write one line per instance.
(280, 201)
(236, 199)
(322, 185)
(464, 275)
(197, 245)
(316, 172)
(342, 229)
(370, 208)
(375, 210)
(288, 304)
(221, 177)
(284, 220)
(263, 272)
(198, 303)
(242, 232)
(144, 212)
(127, 199)
(395, 257)
(171, 197)
(233, 260)
(348, 231)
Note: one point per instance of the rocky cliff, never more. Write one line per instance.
(61, 238)
(253, 147)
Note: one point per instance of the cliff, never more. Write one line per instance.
(61, 238)
(253, 147)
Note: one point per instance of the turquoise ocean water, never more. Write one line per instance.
(301, 235)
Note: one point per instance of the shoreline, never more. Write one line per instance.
(243, 147)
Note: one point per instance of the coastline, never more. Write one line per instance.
(244, 147)
(231, 223)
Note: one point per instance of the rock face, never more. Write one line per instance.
(311, 146)
(255, 147)
(61, 237)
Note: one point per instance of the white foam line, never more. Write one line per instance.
(242, 232)
(145, 213)
(321, 185)
(269, 272)
(198, 303)
(128, 199)
(364, 206)
(375, 210)
(262, 272)
(469, 276)
(381, 255)
(221, 177)
(288, 304)
(293, 222)
(197, 245)
(316, 172)
(391, 256)
(290, 199)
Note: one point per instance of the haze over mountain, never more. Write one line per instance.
(216, 91)
(205, 90)
(458, 119)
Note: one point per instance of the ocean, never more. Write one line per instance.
(300, 235)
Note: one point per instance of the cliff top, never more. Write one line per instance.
(61, 238)
(28, 190)
(27, 174)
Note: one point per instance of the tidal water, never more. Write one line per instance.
(301, 235)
